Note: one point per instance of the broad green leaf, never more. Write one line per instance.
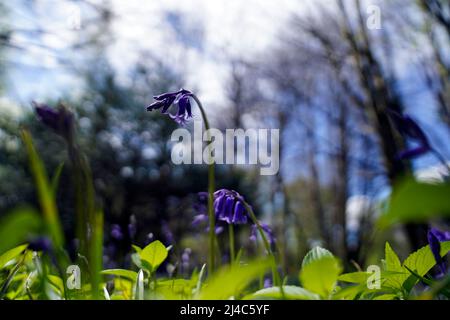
(413, 201)
(392, 261)
(290, 293)
(320, 276)
(231, 280)
(11, 255)
(136, 248)
(423, 260)
(354, 277)
(129, 274)
(314, 254)
(44, 191)
(17, 226)
(393, 264)
(153, 255)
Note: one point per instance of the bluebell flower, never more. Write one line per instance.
(267, 283)
(229, 207)
(435, 237)
(409, 129)
(168, 235)
(181, 98)
(116, 232)
(60, 119)
(268, 231)
(132, 227)
(40, 244)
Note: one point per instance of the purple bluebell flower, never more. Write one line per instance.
(60, 119)
(267, 283)
(409, 128)
(266, 229)
(180, 98)
(40, 244)
(132, 227)
(167, 232)
(229, 207)
(198, 219)
(435, 237)
(116, 232)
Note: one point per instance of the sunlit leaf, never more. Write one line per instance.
(153, 255)
(289, 293)
(414, 201)
(320, 275)
(232, 280)
(11, 255)
(315, 254)
(17, 226)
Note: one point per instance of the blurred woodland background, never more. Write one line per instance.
(322, 77)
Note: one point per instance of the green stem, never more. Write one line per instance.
(276, 278)
(231, 239)
(211, 188)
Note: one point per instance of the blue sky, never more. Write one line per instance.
(212, 30)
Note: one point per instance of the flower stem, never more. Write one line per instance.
(231, 236)
(276, 278)
(211, 188)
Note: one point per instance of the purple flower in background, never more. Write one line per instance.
(116, 232)
(266, 229)
(132, 227)
(410, 130)
(180, 98)
(40, 244)
(435, 237)
(229, 207)
(59, 119)
(167, 232)
(198, 219)
(267, 283)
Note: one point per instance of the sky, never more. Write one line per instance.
(195, 35)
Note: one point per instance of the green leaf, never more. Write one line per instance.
(96, 252)
(315, 254)
(11, 255)
(320, 275)
(392, 261)
(393, 265)
(44, 191)
(290, 293)
(354, 277)
(17, 226)
(139, 289)
(413, 201)
(153, 255)
(129, 274)
(231, 280)
(423, 260)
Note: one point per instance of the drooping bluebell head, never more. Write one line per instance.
(409, 128)
(60, 119)
(268, 231)
(181, 98)
(229, 207)
(435, 237)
